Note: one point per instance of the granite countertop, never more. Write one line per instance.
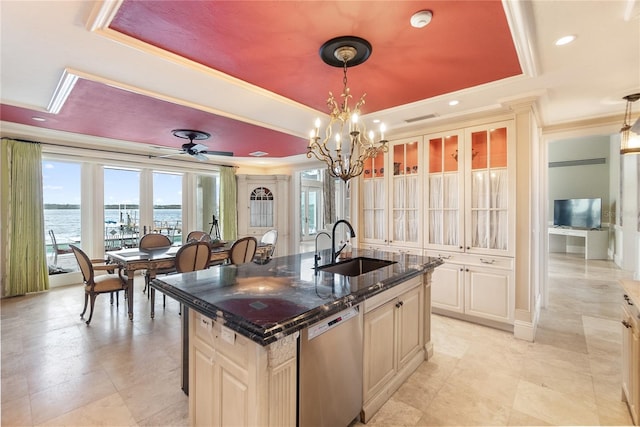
(266, 302)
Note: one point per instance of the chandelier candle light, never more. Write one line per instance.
(346, 144)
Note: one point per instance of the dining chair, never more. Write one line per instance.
(154, 241)
(270, 238)
(191, 256)
(95, 285)
(243, 250)
(198, 236)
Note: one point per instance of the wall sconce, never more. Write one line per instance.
(630, 134)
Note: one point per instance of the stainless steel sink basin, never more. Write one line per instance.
(356, 266)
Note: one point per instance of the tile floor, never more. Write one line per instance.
(57, 371)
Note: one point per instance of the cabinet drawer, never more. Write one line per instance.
(388, 295)
(504, 263)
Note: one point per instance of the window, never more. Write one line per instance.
(208, 204)
(261, 207)
(121, 208)
(167, 205)
(61, 198)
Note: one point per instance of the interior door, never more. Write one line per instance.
(310, 211)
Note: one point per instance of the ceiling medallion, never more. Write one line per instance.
(346, 144)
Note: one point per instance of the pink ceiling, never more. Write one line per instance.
(127, 116)
(274, 45)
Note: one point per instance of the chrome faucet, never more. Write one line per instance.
(316, 256)
(334, 255)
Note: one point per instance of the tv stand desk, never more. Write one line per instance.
(596, 242)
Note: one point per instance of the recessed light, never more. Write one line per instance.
(38, 119)
(421, 19)
(454, 102)
(565, 40)
(258, 154)
(376, 120)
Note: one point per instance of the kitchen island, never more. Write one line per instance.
(245, 323)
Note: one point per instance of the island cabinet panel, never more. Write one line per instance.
(235, 381)
(393, 342)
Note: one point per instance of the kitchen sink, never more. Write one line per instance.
(356, 266)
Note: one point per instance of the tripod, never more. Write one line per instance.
(214, 228)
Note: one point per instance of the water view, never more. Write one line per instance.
(65, 223)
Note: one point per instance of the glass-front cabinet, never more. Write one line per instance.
(445, 189)
(374, 200)
(489, 219)
(405, 191)
(470, 220)
(470, 190)
(391, 197)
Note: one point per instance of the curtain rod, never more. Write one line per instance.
(105, 151)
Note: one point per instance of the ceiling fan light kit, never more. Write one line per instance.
(630, 134)
(346, 144)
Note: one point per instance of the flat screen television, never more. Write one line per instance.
(579, 213)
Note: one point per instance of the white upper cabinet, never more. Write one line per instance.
(374, 200)
(392, 197)
(444, 181)
(405, 190)
(470, 190)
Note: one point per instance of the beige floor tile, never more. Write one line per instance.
(109, 411)
(463, 407)
(118, 372)
(15, 412)
(552, 406)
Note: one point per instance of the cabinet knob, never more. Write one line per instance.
(398, 304)
(461, 247)
(466, 269)
(468, 247)
(626, 324)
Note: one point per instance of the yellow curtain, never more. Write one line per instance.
(228, 204)
(24, 256)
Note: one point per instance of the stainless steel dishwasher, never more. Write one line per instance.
(330, 370)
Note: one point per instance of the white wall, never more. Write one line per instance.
(584, 181)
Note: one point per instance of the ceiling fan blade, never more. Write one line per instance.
(168, 155)
(218, 153)
(199, 148)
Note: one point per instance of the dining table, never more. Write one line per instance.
(133, 259)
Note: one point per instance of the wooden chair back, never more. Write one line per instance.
(193, 256)
(198, 236)
(154, 241)
(86, 267)
(243, 250)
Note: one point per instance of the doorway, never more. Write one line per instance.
(310, 208)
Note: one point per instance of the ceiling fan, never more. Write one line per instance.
(194, 149)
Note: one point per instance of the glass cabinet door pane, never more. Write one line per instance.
(498, 148)
(489, 189)
(444, 190)
(479, 150)
(374, 198)
(450, 157)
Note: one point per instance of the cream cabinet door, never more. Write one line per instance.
(379, 349)
(489, 293)
(410, 327)
(447, 291)
(631, 362)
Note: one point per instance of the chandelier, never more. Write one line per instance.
(630, 135)
(346, 144)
